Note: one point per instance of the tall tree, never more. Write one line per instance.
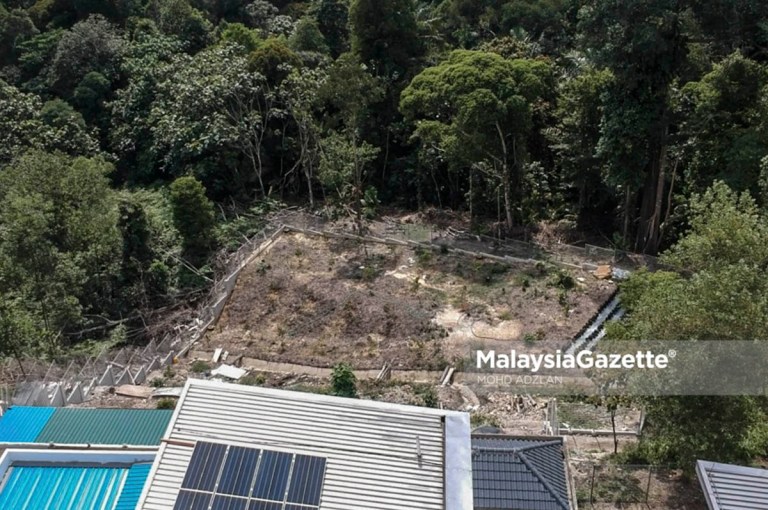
(59, 246)
(723, 297)
(194, 218)
(93, 44)
(576, 133)
(643, 44)
(348, 91)
(333, 20)
(477, 106)
(211, 103)
(299, 94)
(723, 125)
(385, 35)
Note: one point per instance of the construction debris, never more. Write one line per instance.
(603, 272)
(132, 390)
(229, 371)
(167, 392)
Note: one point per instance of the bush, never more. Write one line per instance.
(529, 339)
(166, 403)
(480, 419)
(343, 381)
(199, 367)
(253, 380)
(563, 280)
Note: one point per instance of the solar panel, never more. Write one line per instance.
(307, 480)
(227, 477)
(204, 467)
(237, 474)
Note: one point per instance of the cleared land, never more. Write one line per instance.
(318, 301)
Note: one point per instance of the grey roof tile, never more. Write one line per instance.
(511, 473)
(729, 487)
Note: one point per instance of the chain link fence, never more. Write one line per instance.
(606, 485)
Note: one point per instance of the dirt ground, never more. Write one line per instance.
(316, 301)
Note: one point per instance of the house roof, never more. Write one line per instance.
(514, 473)
(39, 480)
(729, 487)
(371, 455)
(23, 424)
(139, 427)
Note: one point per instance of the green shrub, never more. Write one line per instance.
(343, 381)
(199, 366)
(480, 419)
(166, 403)
(253, 380)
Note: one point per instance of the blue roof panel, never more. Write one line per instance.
(134, 484)
(23, 424)
(62, 488)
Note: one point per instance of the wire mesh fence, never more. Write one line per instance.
(629, 486)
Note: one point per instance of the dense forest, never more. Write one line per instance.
(137, 137)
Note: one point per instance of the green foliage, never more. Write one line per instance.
(724, 119)
(340, 162)
(577, 132)
(194, 218)
(385, 35)
(166, 403)
(18, 331)
(199, 367)
(480, 419)
(723, 297)
(274, 59)
(15, 28)
(252, 380)
(180, 19)
(343, 381)
(59, 246)
(332, 20)
(307, 37)
(476, 109)
(209, 106)
(237, 33)
(90, 45)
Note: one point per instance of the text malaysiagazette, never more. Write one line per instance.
(584, 359)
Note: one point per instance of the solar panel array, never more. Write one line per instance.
(227, 477)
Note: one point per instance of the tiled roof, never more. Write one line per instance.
(511, 473)
(23, 424)
(729, 487)
(106, 426)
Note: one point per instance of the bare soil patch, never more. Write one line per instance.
(316, 301)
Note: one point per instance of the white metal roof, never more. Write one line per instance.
(380, 456)
(729, 487)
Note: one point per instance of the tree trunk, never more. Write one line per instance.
(507, 197)
(627, 215)
(505, 177)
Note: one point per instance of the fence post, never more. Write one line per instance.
(592, 484)
(648, 486)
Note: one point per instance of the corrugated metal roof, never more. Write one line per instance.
(137, 427)
(379, 456)
(54, 488)
(511, 473)
(134, 484)
(23, 424)
(729, 487)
